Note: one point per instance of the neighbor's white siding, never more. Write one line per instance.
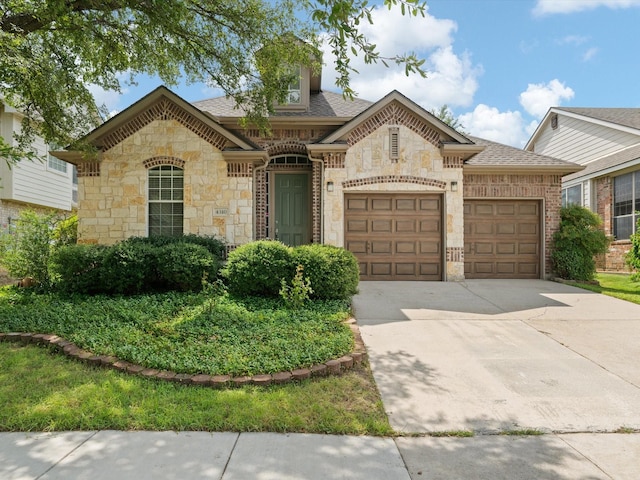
(32, 182)
(581, 142)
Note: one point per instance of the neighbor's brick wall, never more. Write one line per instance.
(10, 211)
(540, 187)
(614, 259)
(113, 203)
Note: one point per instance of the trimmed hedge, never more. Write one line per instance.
(333, 271)
(258, 268)
(136, 265)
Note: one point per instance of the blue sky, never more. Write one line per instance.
(498, 64)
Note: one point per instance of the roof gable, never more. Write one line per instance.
(163, 104)
(396, 109)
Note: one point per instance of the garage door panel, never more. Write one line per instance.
(381, 247)
(398, 238)
(502, 238)
(357, 246)
(357, 204)
(406, 248)
(406, 204)
(406, 226)
(381, 205)
(430, 226)
(357, 226)
(382, 226)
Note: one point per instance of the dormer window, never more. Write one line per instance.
(294, 96)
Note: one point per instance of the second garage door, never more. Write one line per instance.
(502, 239)
(395, 236)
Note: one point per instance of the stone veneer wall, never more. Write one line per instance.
(113, 200)
(536, 187)
(420, 168)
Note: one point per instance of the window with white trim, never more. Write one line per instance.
(294, 95)
(572, 195)
(54, 163)
(166, 200)
(626, 203)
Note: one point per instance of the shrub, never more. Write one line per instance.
(129, 268)
(25, 250)
(66, 231)
(78, 268)
(333, 271)
(257, 268)
(633, 256)
(184, 266)
(214, 245)
(576, 242)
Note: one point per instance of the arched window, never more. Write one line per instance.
(166, 207)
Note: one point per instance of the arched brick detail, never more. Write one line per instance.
(164, 110)
(395, 114)
(284, 148)
(394, 179)
(157, 161)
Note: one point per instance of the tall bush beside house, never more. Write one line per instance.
(333, 271)
(257, 268)
(26, 248)
(78, 268)
(633, 256)
(576, 242)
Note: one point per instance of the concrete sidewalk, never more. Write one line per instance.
(111, 455)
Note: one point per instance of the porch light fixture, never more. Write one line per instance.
(329, 186)
(454, 186)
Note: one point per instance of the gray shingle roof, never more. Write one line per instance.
(628, 117)
(322, 104)
(500, 155)
(614, 160)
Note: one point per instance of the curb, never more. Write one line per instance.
(330, 367)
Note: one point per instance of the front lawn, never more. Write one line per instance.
(45, 391)
(187, 332)
(42, 390)
(617, 285)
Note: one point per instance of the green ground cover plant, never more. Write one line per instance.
(45, 391)
(187, 332)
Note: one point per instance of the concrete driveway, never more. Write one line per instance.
(493, 356)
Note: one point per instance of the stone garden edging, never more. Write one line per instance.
(331, 367)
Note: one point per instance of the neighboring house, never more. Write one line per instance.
(37, 185)
(606, 141)
(410, 196)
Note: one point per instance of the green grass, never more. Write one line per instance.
(44, 391)
(615, 285)
(187, 333)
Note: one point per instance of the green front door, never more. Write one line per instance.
(292, 208)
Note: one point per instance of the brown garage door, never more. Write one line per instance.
(395, 236)
(502, 239)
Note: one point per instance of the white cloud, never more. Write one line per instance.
(503, 127)
(549, 7)
(108, 98)
(573, 40)
(539, 97)
(451, 78)
(589, 54)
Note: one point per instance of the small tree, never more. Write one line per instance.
(25, 250)
(633, 256)
(576, 242)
